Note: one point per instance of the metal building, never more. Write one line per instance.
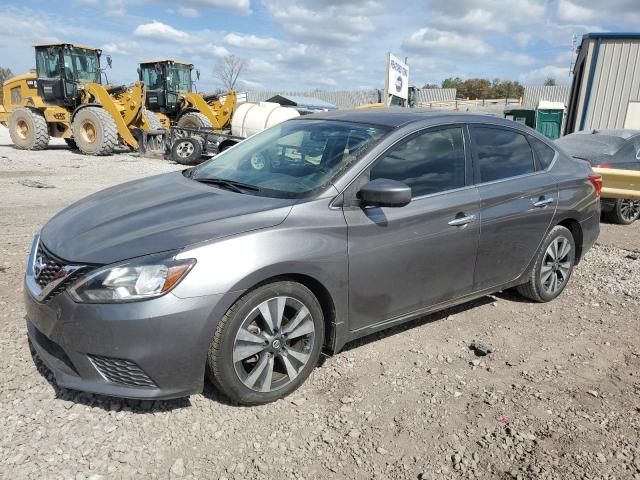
(605, 92)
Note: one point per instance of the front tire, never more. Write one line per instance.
(625, 211)
(94, 131)
(267, 343)
(28, 129)
(553, 266)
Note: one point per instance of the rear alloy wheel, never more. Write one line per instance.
(94, 131)
(267, 344)
(553, 266)
(28, 129)
(625, 211)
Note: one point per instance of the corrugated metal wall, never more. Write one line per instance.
(616, 82)
(534, 93)
(353, 98)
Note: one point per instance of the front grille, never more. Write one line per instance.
(122, 372)
(47, 268)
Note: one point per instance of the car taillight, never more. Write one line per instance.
(596, 181)
(604, 165)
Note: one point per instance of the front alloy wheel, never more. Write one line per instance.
(273, 344)
(267, 343)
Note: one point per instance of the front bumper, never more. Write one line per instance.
(153, 349)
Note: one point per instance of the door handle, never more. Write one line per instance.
(461, 221)
(543, 202)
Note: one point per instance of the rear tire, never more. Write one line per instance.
(28, 129)
(552, 268)
(95, 131)
(254, 363)
(194, 120)
(625, 211)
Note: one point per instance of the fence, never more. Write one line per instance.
(353, 98)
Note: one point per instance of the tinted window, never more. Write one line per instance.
(429, 163)
(501, 153)
(543, 151)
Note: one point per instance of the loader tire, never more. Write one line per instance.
(194, 120)
(153, 120)
(95, 131)
(28, 129)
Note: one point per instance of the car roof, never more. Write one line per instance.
(399, 117)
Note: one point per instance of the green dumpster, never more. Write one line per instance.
(549, 119)
(522, 115)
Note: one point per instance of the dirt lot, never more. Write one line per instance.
(559, 397)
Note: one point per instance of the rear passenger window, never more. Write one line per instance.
(543, 151)
(431, 162)
(501, 153)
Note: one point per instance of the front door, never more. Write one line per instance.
(404, 259)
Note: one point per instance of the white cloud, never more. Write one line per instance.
(439, 42)
(570, 12)
(117, 48)
(539, 75)
(161, 32)
(519, 59)
(188, 12)
(251, 41)
(332, 21)
(522, 39)
(477, 19)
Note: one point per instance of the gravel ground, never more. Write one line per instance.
(559, 397)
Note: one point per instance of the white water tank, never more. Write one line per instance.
(251, 118)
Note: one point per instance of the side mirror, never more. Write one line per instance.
(383, 192)
(109, 61)
(198, 74)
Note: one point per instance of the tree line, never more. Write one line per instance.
(482, 88)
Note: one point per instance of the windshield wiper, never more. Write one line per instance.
(232, 185)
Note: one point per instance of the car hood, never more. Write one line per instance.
(155, 214)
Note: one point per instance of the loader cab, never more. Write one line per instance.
(62, 68)
(167, 81)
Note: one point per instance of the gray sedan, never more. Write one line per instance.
(304, 237)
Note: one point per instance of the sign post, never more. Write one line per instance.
(396, 85)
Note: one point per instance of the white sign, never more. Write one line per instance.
(397, 78)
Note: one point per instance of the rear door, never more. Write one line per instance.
(404, 259)
(518, 200)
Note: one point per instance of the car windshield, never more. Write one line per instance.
(293, 158)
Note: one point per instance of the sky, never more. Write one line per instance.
(321, 44)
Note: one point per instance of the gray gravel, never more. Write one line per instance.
(559, 396)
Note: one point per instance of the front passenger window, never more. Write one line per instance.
(430, 162)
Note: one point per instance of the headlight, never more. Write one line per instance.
(130, 281)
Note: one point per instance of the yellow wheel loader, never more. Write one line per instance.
(65, 98)
(170, 95)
